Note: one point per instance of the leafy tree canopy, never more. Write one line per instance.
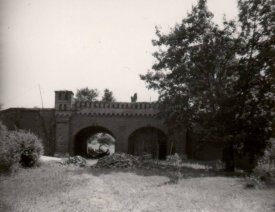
(219, 81)
(108, 96)
(86, 94)
(103, 139)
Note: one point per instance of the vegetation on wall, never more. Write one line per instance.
(86, 94)
(108, 96)
(134, 98)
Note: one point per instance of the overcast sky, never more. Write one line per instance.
(70, 44)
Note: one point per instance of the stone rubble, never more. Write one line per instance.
(123, 160)
(118, 160)
(75, 160)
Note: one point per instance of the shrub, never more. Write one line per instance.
(174, 159)
(9, 157)
(31, 148)
(265, 169)
(18, 147)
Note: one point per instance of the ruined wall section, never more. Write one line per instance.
(38, 121)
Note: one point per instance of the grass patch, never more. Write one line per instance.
(53, 187)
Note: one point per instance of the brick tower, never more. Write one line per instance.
(63, 100)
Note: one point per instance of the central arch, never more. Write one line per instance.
(80, 139)
(148, 140)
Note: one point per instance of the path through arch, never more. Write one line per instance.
(81, 138)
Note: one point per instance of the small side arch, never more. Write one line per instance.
(148, 140)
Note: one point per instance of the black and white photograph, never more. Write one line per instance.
(137, 105)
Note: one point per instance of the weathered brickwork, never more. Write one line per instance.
(40, 122)
(65, 128)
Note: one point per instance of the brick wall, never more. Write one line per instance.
(39, 122)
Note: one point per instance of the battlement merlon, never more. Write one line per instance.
(116, 108)
(65, 104)
(78, 105)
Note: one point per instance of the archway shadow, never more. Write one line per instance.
(148, 140)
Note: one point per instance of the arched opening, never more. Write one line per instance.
(148, 140)
(91, 138)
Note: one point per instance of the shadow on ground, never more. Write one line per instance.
(174, 174)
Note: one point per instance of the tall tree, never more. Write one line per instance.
(208, 76)
(108, 96)
(193, 71)
(254, 90)
(86, 94)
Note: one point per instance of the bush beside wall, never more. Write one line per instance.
(18, 148)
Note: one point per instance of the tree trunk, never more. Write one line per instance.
(228, 157)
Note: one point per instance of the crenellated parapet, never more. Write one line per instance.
(115, 105)
(116, 108)
(65, 128)
(66, 107)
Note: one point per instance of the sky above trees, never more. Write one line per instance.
(71, 44)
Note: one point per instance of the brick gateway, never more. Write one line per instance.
(66, 128)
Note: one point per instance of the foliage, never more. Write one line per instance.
(108, 96)
(9, 150)
(18, 147)
(3, 131)
(105, 139)
(253, 102)
(218, 81)
(193, 74)
(31, 147)
(134, 98)
(98, 141)
(266, 164)
(86, 94)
